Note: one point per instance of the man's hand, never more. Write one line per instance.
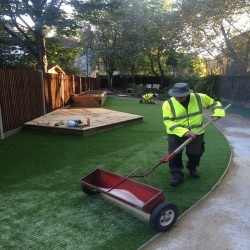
(190, 134)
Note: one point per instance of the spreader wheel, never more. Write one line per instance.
(88, 190)
(164, 216)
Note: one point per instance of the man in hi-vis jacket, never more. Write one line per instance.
(148, 98)
(182, 115)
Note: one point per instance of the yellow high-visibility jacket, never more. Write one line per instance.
(148, 96)
(178, 120)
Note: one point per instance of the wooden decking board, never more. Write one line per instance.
(101, 120)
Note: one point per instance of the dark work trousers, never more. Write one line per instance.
(194, 150)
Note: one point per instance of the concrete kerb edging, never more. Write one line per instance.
(220, 128)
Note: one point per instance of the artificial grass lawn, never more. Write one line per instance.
(42, 206)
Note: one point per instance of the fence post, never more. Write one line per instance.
(80, 80)
(1, 124)
(73, 83)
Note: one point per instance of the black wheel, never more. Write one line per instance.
(88, 190)
(164, 216)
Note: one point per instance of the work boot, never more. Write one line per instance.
(175, 182)
(194, 173)
(177, 179)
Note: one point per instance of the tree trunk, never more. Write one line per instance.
(41, 49)
(152, 65)
(133, 73)
(110, 79)
(162, 74)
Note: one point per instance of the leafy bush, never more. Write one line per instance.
(163, 93)
(139, 90)
(208, 85)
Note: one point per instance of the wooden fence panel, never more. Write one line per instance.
(47, 93)
(68, 88)
(20, 97)
(53, 91)
(77, 82)
(84, 84)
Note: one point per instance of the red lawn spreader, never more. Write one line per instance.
(141, 196)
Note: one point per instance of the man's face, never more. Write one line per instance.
(181, 99)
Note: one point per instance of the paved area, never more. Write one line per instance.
(221, 219)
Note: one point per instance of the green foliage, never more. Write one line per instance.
(139, 90)
(164, 94)
(31, 35)
(191, 80)
(172, 58)
(64, 52)
(193, 65)
(125, 34)
(208, 85)
(207, 22)
(11, 53)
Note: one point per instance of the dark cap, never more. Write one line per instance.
(180, 89)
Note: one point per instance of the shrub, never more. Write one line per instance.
(139, 90)
(207, 85)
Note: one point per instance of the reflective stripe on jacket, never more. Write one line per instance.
(179, 120)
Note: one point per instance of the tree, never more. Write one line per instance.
(11, 54)
(133, 28)
(210, 26)
(132, 36)
(163, 37)
(64, 52)
(124, 33)
(44, 16)
(100, 32)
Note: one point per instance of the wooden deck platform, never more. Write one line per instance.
(101, 120)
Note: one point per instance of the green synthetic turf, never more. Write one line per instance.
(43, 207)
